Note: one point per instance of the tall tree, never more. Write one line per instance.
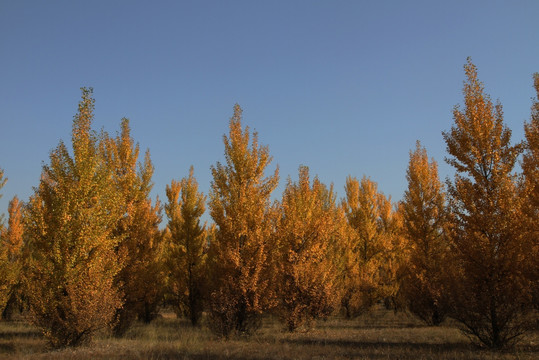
(240, 207)
(11, 249)
(7, 278)
(530, 166)
(186, 248)
(489, 294)
(3, 181)
(141, 279)
(13, 238)
(424, 220)
(370, 261)
(72, 263)
(309, 231)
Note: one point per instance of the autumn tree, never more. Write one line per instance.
(69, 222)
(11, 252)
(186, 248)
(424, 220)
(13, 236)
(530, 166)
(488, 294)
(141, 278)
(371, 262)
(309, 232)
(240, 207)
(6, 275)
(3, 181)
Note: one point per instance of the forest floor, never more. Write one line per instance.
(381, 334)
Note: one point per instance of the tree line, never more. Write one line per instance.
(85, 251)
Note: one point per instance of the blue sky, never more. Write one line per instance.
(344, 87)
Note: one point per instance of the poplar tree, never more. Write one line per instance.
(489, 294)
(186, 248)
(309, 232)
(530, 166)
(13, 237)
(11, 245)
(141, 279)
(240, 207)
(3, 181)
(371, 264)
(6, 279)
(69, 222)
(424, 222)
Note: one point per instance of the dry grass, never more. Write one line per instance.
(380, 335)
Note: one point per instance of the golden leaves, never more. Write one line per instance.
(69, 225)
(11, 242)
(139, 250)
(307, 243)
(424, 221)
(186, 246)
(371, 248)
(485, 231)
(239, 206)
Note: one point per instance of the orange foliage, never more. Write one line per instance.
(373, 247)
(11, 242)
(240, 207)
(186, 247)
(309, 232)
(141, 278)
(69, 220)
(530, 166)
(94, 256)
(14, 235)
(488, 292)
(424, 221)
(3, 181)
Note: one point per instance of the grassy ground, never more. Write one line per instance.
(380, 335)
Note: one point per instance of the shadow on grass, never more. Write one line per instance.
(381, 344)
(162, 329)
(353, 326)
(186, 355)
(24, 334)
(157, 354)
(6, 348)
(429, 348)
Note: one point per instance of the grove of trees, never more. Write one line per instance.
(86, 253)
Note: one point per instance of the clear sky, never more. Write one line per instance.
(344, 87)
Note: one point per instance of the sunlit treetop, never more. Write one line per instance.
(479, 142)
